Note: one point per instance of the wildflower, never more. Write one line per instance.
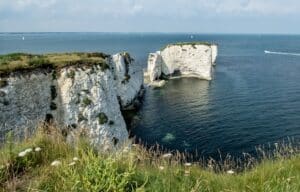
(167, 155)
(230, 172)
(161, 168)
(126, 149)
(37, 149)
(55, 163)
(28, 150)
(188, 164)
(134, 145)
(75, 159)
(72, 163)
(22, 154)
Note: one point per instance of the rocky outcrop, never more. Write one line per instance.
(77, 97)
(186, 59)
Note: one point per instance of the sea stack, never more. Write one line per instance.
(194, 59)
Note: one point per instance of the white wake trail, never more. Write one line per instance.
(281, 53)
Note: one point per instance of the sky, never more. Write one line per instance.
(175, 16)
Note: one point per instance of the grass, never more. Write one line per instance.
(134, 169)
(193, 43)
(24, 61)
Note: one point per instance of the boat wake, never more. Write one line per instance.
(281, 53)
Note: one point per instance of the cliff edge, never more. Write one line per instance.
(76, 90)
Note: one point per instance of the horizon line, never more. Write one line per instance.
(115, 32)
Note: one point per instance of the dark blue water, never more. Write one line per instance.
(253, 99)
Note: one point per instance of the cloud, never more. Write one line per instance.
(137, 14)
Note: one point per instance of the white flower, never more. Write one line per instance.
(28, 150)
(167, 155)
(230, 172)
(72, 163)
(134, 145)
(22, 154)
(37, 149)
(161, 167)
(126, 150)
(55, 163)
(75, 159)
(188, 164)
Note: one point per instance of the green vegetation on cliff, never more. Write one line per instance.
(24, 61)
(193, 44)
(46, 162)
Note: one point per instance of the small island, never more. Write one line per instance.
(189, 59)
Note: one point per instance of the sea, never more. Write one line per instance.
(253, 99)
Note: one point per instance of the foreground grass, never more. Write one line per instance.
(81, 168)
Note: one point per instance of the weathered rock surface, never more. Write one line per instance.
(183, 59)
(87, 97)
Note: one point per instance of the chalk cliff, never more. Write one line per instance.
(76, 96)
(186, 59)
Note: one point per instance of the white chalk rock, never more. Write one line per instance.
(128, 77)
(79, 97)
(154, 65)
(187, 59)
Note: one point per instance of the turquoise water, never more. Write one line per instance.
(253, 99)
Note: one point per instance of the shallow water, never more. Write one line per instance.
(253, 99)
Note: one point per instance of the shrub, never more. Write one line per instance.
(3, 83)
(86, 101)
(53, 92)
(97, 54)
(53, 106)
(104, 66)
(81, 118)
(71, 74)
(102, 118)
(126, 79)
(54, 75)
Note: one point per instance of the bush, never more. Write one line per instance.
(3, 83)
(126, 79)
(71, 74)
(86, 102)
(102, 118)
(53, 106)
(104, 66)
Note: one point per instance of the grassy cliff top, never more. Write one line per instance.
(24, 61)
(45, 162)
(194, 43)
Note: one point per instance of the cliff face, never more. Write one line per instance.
(85, 97)
(185, 59)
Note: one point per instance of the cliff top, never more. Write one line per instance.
(23, 61)
(188, 43)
